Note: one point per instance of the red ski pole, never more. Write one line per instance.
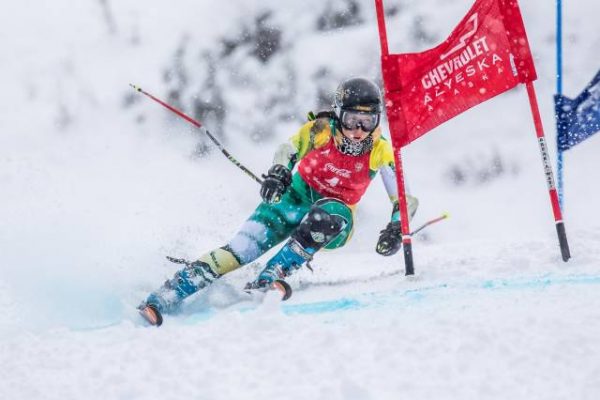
(426, 224)
(199, 125)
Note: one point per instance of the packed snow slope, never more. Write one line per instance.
(92, 200)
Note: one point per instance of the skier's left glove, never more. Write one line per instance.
(275, 183)
(390, 239)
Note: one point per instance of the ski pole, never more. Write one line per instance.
(433, 221)
(199, 125)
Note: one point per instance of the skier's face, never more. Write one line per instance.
(356, 134)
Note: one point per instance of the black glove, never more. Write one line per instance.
(275, 183)
(390, 239)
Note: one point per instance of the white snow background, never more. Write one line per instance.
(91, 202)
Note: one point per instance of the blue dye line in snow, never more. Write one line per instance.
(380, 299)
(540, 282)
(394, 297)
(323, 306)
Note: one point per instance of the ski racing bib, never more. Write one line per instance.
(334, 174)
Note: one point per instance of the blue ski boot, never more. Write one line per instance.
(195, 276)
(289, 259)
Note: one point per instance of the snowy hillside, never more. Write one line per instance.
(98, 184)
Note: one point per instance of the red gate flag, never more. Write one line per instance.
(486, 54)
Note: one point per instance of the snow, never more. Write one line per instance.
(92, 201)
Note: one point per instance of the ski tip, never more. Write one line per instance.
(151, 314)
(284, 288)
(280, 285)
(446, 214)
(139, 89)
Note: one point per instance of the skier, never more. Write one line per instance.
(336, 155)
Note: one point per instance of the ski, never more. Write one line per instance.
(279, 284)
(284, 288)
(151, 315)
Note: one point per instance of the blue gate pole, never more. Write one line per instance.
(559, 153)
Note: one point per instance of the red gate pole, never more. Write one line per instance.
(539, 130)
(406, 236)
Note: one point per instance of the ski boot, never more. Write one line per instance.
(283, 264)
(195, 276)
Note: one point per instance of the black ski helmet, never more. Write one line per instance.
(358, 94)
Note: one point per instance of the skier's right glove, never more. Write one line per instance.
(390, 239)
(275, 183)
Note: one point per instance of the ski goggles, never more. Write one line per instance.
(355, 119)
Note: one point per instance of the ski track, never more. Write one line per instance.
(402, 297)
(478, 354)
